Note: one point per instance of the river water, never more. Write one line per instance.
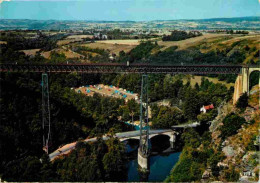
(160, 164)
(160, 167)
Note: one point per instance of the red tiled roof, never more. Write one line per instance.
(209, 107)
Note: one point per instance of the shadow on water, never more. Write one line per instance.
(160, 164)
(160, 143)
(160, 167)
(131, 145)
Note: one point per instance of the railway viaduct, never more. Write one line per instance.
(242, 82)
(241, 86)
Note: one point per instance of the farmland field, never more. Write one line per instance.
(31, 52)
(197, 79)
(133, 42)
(188, 42)
(73, 38)
(113, 48)
(3, 42)
(79, 36)
(68, 53)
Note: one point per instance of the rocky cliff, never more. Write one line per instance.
(240, 150)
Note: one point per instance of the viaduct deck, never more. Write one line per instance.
(122, 68)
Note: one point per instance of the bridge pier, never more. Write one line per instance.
(173, 139)
(144, 149)
(242, 82)
(143, 161)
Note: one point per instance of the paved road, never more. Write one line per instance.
(190, 125)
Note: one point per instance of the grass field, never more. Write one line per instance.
(133, 42)
(197, 79)
(3, 42)
(64, 42)
(222, 43)
(73, 39)
(31, 52)
(189, 42)
(113, 48)
(79, 36)
(205, 43)
(68, 53)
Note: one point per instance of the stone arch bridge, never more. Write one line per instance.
(123, 136)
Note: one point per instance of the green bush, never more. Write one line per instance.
(232, 175)
(242, 102)
(143, 50)
(231, 124)
(178, 175)
(251, 145)
(167, 117)
(191, 138)
(213, 161)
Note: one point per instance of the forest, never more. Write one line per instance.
(76, 117)
(80, 117)
(181, 35)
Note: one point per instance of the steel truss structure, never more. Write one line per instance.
(122, 68)
(46, 121)
(144, 119)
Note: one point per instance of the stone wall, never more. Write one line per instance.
(238, 89)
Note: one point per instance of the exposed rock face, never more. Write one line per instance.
(224, 109)
(228, 151)
(238, 89)
(239, 154)
(248, 113)
(206, 174)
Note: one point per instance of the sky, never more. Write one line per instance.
(121, 10)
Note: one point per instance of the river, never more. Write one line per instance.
(160, 167)
(160, 164)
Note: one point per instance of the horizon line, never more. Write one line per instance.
(256, 16)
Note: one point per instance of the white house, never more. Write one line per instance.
(204, 109)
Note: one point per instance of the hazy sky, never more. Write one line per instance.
(136, 10)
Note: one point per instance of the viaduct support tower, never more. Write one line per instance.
(46, 121)
(143, 150)
(242, 82)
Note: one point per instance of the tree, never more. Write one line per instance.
(143, 50)
(191, 138)
(191, 104)
(133, 108)
(113, 160)
(46, 172)
(122, 53)
(31, 167)
(206, 117)
(197, 87)
(167, 117)
(57, 58)
(231, 175)
(242, 102)
(213, 161)
(180, 35)
(231, 124)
